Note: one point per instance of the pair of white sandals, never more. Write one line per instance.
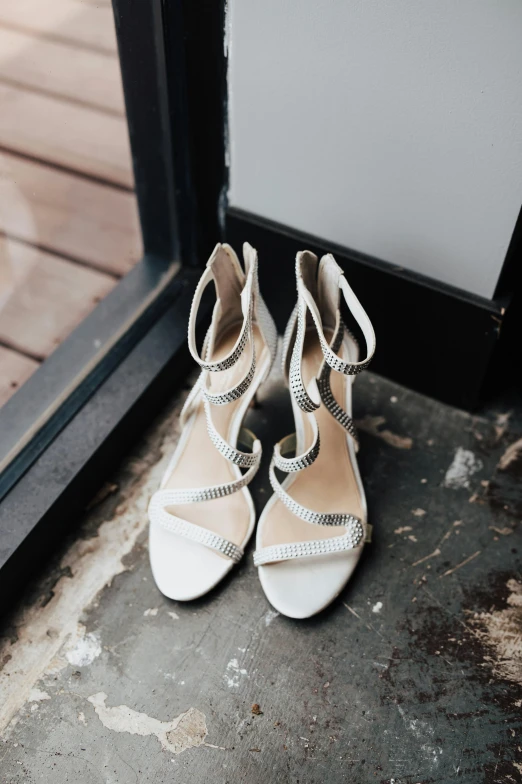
(312, 531)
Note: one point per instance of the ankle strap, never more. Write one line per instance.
(246, 329)
(296, 332)
(359, 314)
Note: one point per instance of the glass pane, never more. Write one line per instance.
(68, 217)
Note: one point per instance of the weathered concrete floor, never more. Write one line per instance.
(413, 675)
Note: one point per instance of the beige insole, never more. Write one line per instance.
(329, 484)
(201, 465)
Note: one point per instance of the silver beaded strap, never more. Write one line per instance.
(283, 552)
(161, 500)
(308, 515)
(197, 494)
(335, 362)
(288, 445)
(235, 392)
(325, 390)
(338, 413)
(191, 531)
(241, 459)
(297, 385)
(246, 329)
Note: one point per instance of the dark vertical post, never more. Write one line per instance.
(151, 49)
(206, 72)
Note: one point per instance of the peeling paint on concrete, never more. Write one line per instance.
(234, 673)
(424, 733)
(270, 616)
(94, 562)
(83, 648)
(502, 631)
(464, 465)
(37, 695)
(186, 731)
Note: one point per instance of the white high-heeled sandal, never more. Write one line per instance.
(203, 515)
(312, 531)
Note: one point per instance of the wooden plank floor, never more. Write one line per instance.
(86, 221)
(44, 66)
(71, 22)
(68, 217)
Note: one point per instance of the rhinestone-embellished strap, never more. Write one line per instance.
(191, 531)
(225, 363)
(359, 314)
(245, 336)
(160, 501)
(239, 458)
(283, 552)
(196, 494)
(325, 389)
(288, 446)
(236, 391)
(308, 515)
(357, 532)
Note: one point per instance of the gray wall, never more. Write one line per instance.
(393, 128)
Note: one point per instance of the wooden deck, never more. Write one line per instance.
(68, 218)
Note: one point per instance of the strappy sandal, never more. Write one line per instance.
(202, 516)
(312, 531)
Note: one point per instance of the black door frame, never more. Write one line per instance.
(68, 425)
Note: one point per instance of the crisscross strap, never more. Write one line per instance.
(359, 314)
(191, 531)
(297, 386)
(195, 494)
(321, 388)
(288, 445)
(308, 515)
(355, 534)
(297, 326)
(236, 456)
(237, 390)
(325, 389)
(160, 501)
